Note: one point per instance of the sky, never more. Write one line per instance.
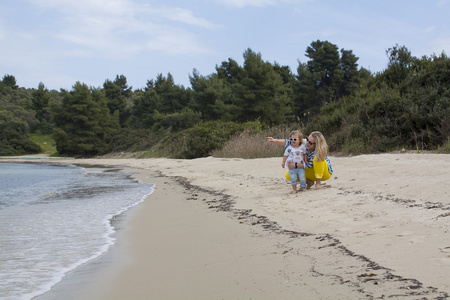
(61, 42)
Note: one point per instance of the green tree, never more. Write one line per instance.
(326, 77)
(121, 81)
(348, 84)
(177, 121)
(230, 71)
(14, 135)
(401, 64)
(323, 64)
(10, 80)
(116, 101)
(412, 112)
(172, 97)
(12, 96)
(162, 97)
(145, 104)
(259, 90)
(266, 95)
(229, 78)
(428, 89)
(40, 100)
(305, 100)
(285, 73)
(83, 121)
(212, 97)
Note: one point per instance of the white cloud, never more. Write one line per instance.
(123, 27)
(244, 3)
(110, 7)
(174, 44)
(63, 41)
(185, 16)
(258, 3)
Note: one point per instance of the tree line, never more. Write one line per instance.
(406, 105)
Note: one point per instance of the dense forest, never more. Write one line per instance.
(405, 106)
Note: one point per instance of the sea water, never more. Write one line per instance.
(56, 218)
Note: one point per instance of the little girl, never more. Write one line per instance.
(296, 153)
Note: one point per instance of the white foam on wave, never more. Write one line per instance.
(47, 274)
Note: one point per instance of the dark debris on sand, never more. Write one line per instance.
(365, 276)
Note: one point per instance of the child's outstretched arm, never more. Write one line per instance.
(281, 142)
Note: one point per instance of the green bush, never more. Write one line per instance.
(14, 143)
(445, 148)
(385, 120)
(130, 140)
(45, 141)
(177, 121)
(203, 138)
(200, 140)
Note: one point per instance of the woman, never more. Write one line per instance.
(318, 168)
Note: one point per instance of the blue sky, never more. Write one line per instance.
(60, 42)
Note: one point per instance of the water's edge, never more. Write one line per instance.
(77, 281)
(82, 271)
(79, 277)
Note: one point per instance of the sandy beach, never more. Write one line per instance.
(230, 229)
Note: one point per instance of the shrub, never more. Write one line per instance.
(176, 121)
(251, 144)
(248, 144)
(445, 148)
(202, 139)
(14, 143)
(130, 140)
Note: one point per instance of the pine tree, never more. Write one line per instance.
(259, 90)
(83, 121)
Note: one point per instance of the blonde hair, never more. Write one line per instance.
(321, 146)
(299, 134)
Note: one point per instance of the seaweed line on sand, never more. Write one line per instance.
(369, 278)
(408, 203)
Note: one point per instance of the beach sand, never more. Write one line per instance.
(230, 229)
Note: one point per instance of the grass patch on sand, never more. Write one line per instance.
(250, 144)
(45, 141)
